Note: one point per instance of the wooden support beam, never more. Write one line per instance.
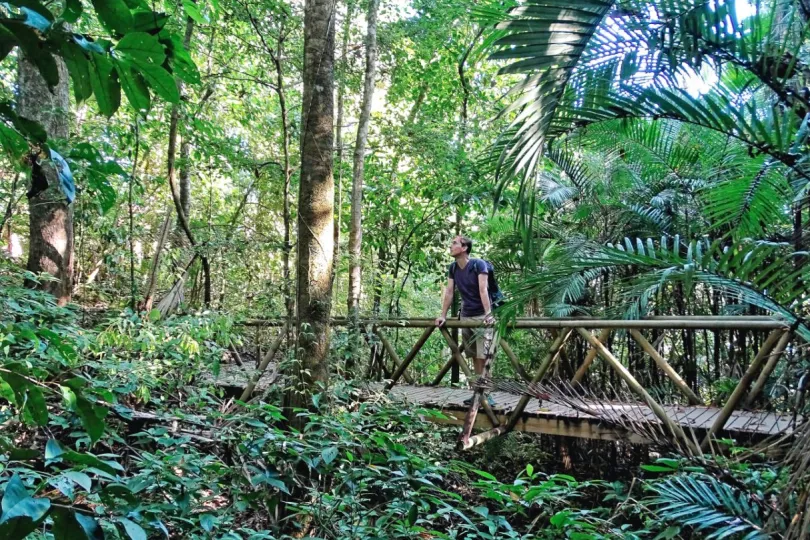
(510, 354)
(631, 381)
(693, 398)
(392, 353)
(773, 358)
(251, 385)
(590, 357)
(467, 373)
(742, 387)
(411, 355)
(556, 345)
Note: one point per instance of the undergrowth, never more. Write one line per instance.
(116, 432)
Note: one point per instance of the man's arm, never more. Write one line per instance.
(447, 299)
(483, 291)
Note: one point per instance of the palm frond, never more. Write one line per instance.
(758, 273)
(708, 505)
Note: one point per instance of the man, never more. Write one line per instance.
(471, 277)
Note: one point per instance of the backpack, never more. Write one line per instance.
(496, 296)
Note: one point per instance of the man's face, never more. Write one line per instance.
(456, 248)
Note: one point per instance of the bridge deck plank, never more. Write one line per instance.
(548, 415)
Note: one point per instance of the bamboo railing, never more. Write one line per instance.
(563, 328)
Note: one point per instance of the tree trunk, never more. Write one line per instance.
(315, 203)
(356, 227)
(182, 217)
(50, 246)
(341, 91)
(289, 303)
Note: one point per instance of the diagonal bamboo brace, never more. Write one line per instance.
(773, 359)
(670, 372)
(631, 381)
(513, 359)
(392, 353)
(742, 387)
(553, 351)
(411, 355)
(263, 365)
(590, 357)
(467, 373)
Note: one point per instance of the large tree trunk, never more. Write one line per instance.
(356, 228)
(50, 245)
(315, 202)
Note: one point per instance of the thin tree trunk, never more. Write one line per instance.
(182, 217)
(133, 289)
(316, 199)
(289, 303)
(356, 227)
(341, 91)
(50, 246)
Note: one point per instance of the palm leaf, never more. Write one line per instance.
(708, 505)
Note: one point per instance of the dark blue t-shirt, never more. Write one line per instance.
(466, 280)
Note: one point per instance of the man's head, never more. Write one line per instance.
(461, 245)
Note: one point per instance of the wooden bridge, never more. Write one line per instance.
(595, 419)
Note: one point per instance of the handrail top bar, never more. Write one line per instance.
(700, 322)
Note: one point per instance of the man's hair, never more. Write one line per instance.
(467, 243)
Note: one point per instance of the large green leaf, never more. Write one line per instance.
(79, 69)
(149, 21)
(134, 87)
(161, 81)
(7, 42)
(68, 525)
(180, 60)
(12, 142)
(141, 48)
(104, 80)
(114, 14)
(73, 10)
(21, 512)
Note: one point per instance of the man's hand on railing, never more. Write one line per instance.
(440, 321)
(489, 319)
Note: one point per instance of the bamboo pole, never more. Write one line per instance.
(742, 386)
(263, 365)
(392, 353)
(668, 370)
(456, 352)
(673, 323)
(490, 339)
(510, 354)
(631, 381)
(490, 434)
(769, 367)
(590, 357)
(556, 345)
(411, 355)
